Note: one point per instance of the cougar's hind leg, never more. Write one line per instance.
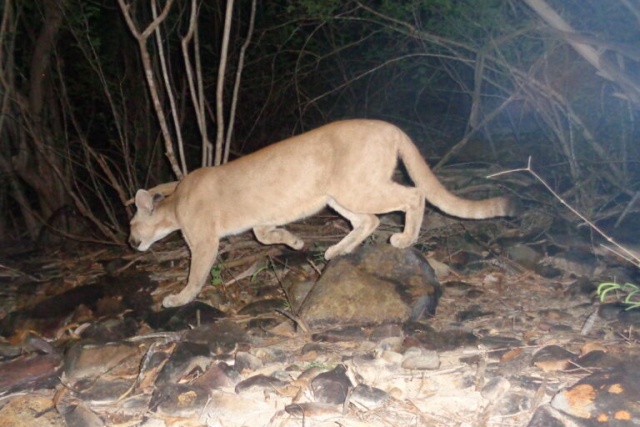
(393, 197)
(413, 207)
(270, 235)
(363, 225)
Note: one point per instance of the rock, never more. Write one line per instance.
(388, 344)
(596, 359)
(457, 288)
(375, 285)
(500, 344)
(513, 403)
(102, 391)
(314, 410)
(229, 409)
(297, 286)
(611, 311)
(495, 388)
(332, 386)
(271, 354)
(630, 317)
(545, 416)
(388, 331)
(246, 361)
(186, 357)
(341, 334)
(259, 381)
(222, 337)
(420, 358)
(81, 416)
(29, 371)
(195, 313)
(523, 255)
(30, 410)
(474, 312)
(88, 360)
(179, 400)
(612, 397)
(368, 397)
(111, 329)
(431, 339)
(264, 306)
(553, 358)
(440, 269)
(217, 376)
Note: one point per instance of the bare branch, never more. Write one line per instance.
(197, 95)
(220, 86)
(148, 71)
(236, 86)
(168, 88)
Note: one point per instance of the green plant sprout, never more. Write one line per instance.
(267, 266)
(216, 275)
(631, 290)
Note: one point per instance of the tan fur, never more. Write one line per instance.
(346, 165)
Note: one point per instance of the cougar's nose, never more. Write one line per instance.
(134, 243)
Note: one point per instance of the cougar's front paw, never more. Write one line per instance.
(175, 301)
(332, 252)
(401, 241)
(297, 244)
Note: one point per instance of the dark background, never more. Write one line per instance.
(487, 82)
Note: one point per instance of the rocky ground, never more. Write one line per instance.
(280, 338)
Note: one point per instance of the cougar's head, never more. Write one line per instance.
(150, 223)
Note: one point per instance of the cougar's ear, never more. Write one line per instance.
(146, 201)
(157, 197)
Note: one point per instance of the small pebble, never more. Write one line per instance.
(368, 397)
(419, 358)
(495, 389)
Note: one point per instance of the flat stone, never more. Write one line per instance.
(368, 397)
(553, 358)
(230, 409)
(264, 306)
(341, 334)
(221, 337)
(513, 403)
(260, 382)
(87, 360)
(545, 416)
(186, 357)
(373, 286)
(420, 358)
(495, 388)
(184, 317)
(179, 400)
(81, 416)
(332, 386)
(431, 339)
(314, 410)
(30, 410)
(246, 361)
(524, 255)
(217, 376)
(101, 391)
(612, 397)
(29, 371)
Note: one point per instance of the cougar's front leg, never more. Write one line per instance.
(203, 255)
(270, 235)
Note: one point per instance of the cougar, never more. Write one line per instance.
(346, 165)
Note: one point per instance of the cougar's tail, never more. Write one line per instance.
(440, 197)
